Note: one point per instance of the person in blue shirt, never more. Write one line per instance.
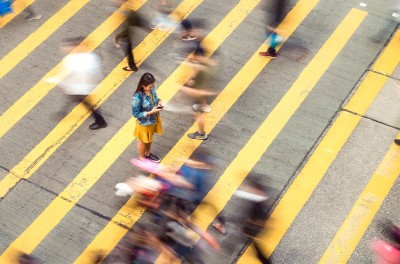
(145, 108)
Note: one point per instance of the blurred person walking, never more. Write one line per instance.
(145, 108)
(199, 87)
(275, 35)
(83, 69)
(256, 216)
(133, 21)
(180, 235)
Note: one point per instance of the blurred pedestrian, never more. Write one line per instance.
(133, 21)
(84, 74)
(200, 88)
(256, 215)
(145, 108)
(181, 236)
(196, 171)
(275, 35)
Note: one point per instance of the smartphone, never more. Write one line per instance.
(160, 107)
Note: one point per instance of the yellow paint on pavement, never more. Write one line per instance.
(39, 35)
(31, 98)
(37, 156)
(65, 201)
(307, 180)
(365, 208)
(73, 120)
(247, 158)
(130, 213)
(18, 7)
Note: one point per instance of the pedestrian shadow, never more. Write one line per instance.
(296, 50)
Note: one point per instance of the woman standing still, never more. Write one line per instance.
(145, 108)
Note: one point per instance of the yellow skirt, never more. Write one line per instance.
(145, 133)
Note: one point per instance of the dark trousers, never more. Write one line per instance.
(278, 8)
(127, 48)
(86, 100)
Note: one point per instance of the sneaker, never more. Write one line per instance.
(95, 126)
(397, 142)
(267, 54)
(33, 17)
(135, 69)
(153, 26)
(187, 37)
(153, 157)
(198, 107)
(197, 135)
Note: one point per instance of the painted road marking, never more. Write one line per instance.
(31, 98)
(364, 209)
(114, 231)
(39, 35)
(64, 129)
(237, 171)
(65, 201)
(307, 180)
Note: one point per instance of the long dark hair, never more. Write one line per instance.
(145, 80)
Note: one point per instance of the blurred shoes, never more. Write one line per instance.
(33, 17)
(205, 108)
(123, 189)
(187, 37)
(135, 69)
(95, 126)
(268, 54)
(198, 136)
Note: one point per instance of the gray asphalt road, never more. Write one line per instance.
(317, 223)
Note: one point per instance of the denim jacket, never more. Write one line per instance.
(141, 104)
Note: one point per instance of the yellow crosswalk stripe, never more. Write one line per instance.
(130, 213)
(307, 180)
(64, 129)
(41, 34)
(365, 208)
(18, 7)
(31, 98)
(64, 202)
